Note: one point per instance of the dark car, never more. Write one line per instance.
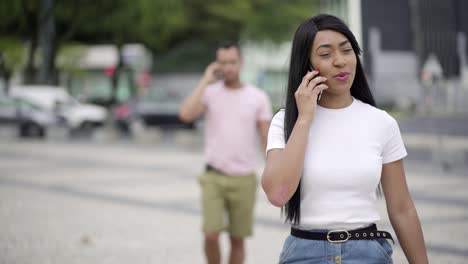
(28, 118)
(156, 109)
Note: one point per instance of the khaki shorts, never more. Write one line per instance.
(230, 196)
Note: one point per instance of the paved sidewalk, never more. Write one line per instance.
(124, 202)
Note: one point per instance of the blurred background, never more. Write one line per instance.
(96, 167)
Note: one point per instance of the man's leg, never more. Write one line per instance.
(212, 252)
(237, 251)
(240, 205)
(213, 215)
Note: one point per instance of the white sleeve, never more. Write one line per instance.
(276, 132)
(394, 148)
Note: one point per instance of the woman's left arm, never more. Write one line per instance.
(402, 212)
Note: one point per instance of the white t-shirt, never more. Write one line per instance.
(343, 163)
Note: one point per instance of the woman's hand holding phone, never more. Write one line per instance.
(307, 95)
(312, 69)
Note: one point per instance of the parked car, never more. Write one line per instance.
(29, 119)
(76, 115)
(157, 109)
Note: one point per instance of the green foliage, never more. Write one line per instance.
(161, 22)
(11, 51)
(189, 56)
(69, 56)
(164, 26)
(277, 20)
(9, 12)
(18, 18)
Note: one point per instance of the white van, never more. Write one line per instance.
(77, 116)
(30, 120)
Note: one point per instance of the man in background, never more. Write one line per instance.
(235, 113)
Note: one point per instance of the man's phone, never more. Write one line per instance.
(310, 68)
(219, 74)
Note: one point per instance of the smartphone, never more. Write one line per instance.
(309, 66)
(219, 75)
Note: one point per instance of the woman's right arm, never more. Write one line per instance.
(283, 167)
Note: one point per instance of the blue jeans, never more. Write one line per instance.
(303, 251)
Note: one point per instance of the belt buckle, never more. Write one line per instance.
(342, 240)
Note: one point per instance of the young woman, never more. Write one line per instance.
(327, 152)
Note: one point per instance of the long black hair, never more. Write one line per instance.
(299, 61)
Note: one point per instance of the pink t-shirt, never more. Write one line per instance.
(231, 141)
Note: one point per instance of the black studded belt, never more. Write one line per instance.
(340, 236)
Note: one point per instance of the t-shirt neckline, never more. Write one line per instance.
(336, 110)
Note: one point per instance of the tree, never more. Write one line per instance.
(47, 42)
(163, 26)
(10, 57)
(18, 19)
(54, 22)
(207, 22)
(277, 20)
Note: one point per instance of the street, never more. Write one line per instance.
(122, 201)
